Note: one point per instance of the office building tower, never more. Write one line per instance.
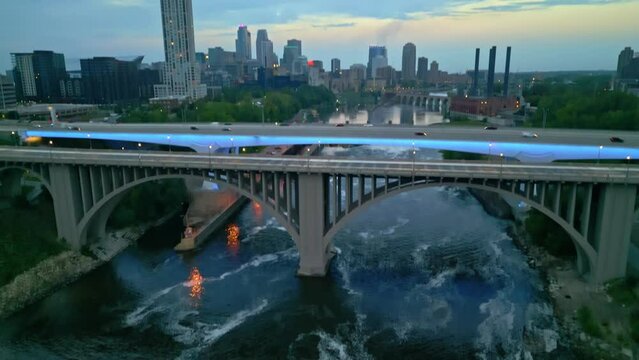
(7, 93)
(491, 72)
(336, 66)
(475, 88)
(625, 57)
(507, 72)
(292, 51)
(219, 59)
(38, 75)
(422, 68)
(378, 62)
(107, 80)
(181, 77)
(264, 50)
(409, 58)
(243, 44)
(373, 52)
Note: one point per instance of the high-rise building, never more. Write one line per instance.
(409, 58)
(7, 93)
(243, 44)
(38, 75)
(375, 52)
(507, 72)
(491, 72)
(422, 68)
(219, 59)
(378, 62)
(264, 50)
(107, 80)
(292, 51)
(181, 77)
(300, 66)
(297, 44)
(336, 66)
(625, 57)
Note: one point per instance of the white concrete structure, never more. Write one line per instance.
(181, 72)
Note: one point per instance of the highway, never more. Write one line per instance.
(490, 170)
(555, 144)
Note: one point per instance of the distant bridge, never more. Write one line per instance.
(313, 198)
(433, 102)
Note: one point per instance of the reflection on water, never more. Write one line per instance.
(257, 209)
(395, 115)
(195, 283)
(233, 238)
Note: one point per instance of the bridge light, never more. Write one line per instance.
(50, 142)
(628, 157)
(139, 145)
(210, 147)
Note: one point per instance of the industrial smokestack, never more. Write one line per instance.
(507, 73)
(491, 71)
(475, 91)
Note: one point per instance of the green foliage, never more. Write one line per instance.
(588, 322)
(458, 155)
(148, 202)
(549, 235)
(28, 236)
(634, 326)
(583, 104)
(239, 105)
(622, 291)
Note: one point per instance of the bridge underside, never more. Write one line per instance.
(313, 207)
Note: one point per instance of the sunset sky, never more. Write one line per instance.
(545, 35)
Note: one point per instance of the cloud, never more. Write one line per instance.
(338, 25)
(128, 3)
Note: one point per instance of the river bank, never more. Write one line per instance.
(63, 269)
(570, 295)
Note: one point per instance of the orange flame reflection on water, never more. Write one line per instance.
(196, 280)
(233, 238)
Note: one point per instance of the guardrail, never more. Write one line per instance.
(499, 169)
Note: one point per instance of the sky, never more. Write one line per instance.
(545, 35)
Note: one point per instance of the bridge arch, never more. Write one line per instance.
(93, 223)
(586, 254)
(35, 171)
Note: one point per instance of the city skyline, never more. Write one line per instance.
(589, 30)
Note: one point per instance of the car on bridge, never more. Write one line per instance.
(421, 133)
(528, 134)
(616, 139)
(490, 128)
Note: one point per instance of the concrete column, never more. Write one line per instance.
(315, 252)
(612, 231)
(67, 203)
(10, 183)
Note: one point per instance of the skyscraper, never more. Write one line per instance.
(336, 66)
(491, 71)
(422, 68)
(243, 44)
(264, 50)
(409, 57)
(38, 75)
(7, 93)
(181, 76)
(374, 52)
(625, 57)
(292, 51)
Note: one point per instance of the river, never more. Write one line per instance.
(395, 115)
(425, 274)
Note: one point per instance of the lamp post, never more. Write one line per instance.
(501, 167)
(627, 167)
(13, 138)
(232, 147)
(90, 141)
(599, 153)
(169, 138)
(490, 146)
(210, 147)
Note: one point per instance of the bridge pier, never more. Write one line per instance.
(315, 250)
(67, 203)
(612, 231)
(10, 184)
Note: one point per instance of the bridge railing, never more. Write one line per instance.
(356, 166)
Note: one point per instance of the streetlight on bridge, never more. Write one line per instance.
(210, 147)
(169, 138)
(599, 153)
(501, 167)
(627, 167)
